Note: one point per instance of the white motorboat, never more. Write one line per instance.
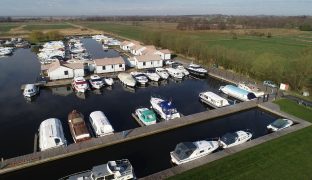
(108, 81)
(146, 116)
(164, 108)
(251, 88)
(197, 70)
(96, 82)
(5, 51)
(152, 75)
(233, 139)
(139, 77)
(51, 134)
(127, 79)
(162, 73)
(237, 93)
(175, 73)
(180, 68)
(213, 99)
(80, 84)
(30, 90)
(113, 170)
(100, 124)
(280, 124)
(105, 48)
(188, 151)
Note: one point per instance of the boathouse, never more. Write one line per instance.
(62, 70)
(148, 61)
(107, 65)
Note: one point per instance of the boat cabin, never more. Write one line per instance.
(213, 99)
(168, 108)
(100, 124)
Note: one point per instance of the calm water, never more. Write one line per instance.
(19, 120)
(151, 154)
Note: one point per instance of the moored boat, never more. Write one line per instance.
(280, 124)
(78, 127)
(213, 99)
(187, 151)
(140, 78)
(30, 90)
(113, 170)
(146, 116)
(96, 82)
(237, 93)
(197, 70)
(162, 73)
(80, 84)
(127, 79)
(108, 81)
(51, 134)
(175, 73)
(251, 88)
(152, 75)
(234, 139)
(100, 124)
(164, 108)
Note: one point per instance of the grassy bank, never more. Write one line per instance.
(40, 27)
(288, 157)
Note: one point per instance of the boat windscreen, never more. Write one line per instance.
(96, 80)
(168, 107)
(229, 138)
(251, 96)
(184, 150)
(279, 123)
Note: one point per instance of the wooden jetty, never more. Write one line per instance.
(137, 120)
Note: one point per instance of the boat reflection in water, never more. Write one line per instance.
(62, 90)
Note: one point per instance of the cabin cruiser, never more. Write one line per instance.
(30, 90)
(164, 108)
(146, 116)
(213, 99)
(233, 139)
(251, 88)
(96, 82)
(237, 93)
(105, 48)
(139, 77)
(152, 75)
(162, 73)
(280, 124)
(197, 70)
(108, 81)
(51, 134)
(80, 84)
(100, 124)
(5, 51)
(181, 68)
(127, 79)
(113, 170)
(78, 127)
(188, 151)
(175, 73)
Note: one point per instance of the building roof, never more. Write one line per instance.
(137, 47)
(149, 50)
(165, 51)
(124, 43)
(56, 64)
(109, 61)
(148, 57)
(73, 65)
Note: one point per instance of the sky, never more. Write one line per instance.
(153, 7)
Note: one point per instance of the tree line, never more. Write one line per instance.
(296, 71)
(38, 36)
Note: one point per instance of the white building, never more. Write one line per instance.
(107, 65)
(137, 50)
(165, 54)
(126, 45)
(148, 61)
(60, 70)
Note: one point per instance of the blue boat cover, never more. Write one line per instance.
(238, 90)
(167, 107)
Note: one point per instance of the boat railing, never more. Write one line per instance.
(66, 177)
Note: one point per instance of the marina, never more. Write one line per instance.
(62, 99)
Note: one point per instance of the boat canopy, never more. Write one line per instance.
(149, 115)
(168, 107)
(279, 123)
(240, 91)
(101, 123)
(229, 138)
(184, 150)
(51, 134)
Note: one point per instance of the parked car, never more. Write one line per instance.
(270, 84)
(169, 62)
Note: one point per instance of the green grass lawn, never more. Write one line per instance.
(32, 27)
(282, 45)
(288, 157)
(6, 28)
